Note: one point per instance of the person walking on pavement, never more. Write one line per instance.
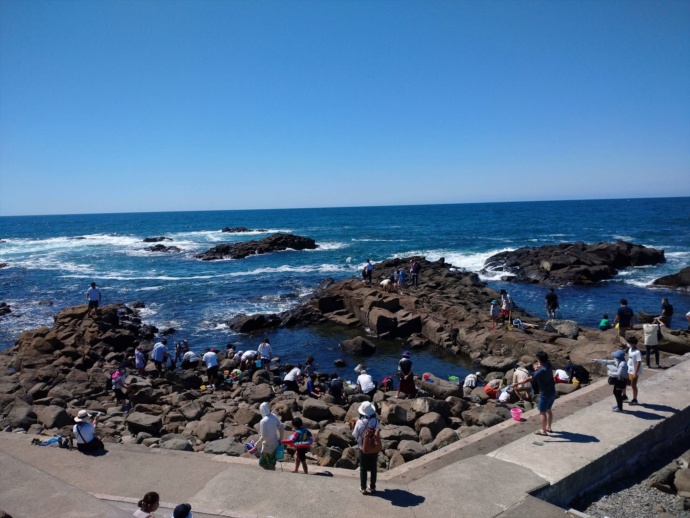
(618, 376)
(634, 368)
(543, 380)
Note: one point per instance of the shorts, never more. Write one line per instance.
(545, 402)
(505, 312)
(212, 372)
(93, 304)
(302, 454)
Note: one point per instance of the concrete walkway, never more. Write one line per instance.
(490, 474)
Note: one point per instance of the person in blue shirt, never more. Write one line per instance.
(543, 381)
(312, 390)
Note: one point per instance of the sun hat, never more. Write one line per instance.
(477, 373)
(406, 354)
(182, 511)
(367, 409)
(494, 302)
(81, 416)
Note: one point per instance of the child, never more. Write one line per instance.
(495, 313)
(298, 438)
(605, 323)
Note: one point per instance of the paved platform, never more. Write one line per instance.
(491, 474)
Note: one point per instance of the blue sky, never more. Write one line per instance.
(121, 106)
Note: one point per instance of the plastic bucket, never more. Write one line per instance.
(516, 413)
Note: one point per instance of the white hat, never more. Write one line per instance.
(477, 373)
(367, 409)
(81, 416)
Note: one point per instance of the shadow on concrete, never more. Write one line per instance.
(324, 474)
(400, 497)
(97, 453)
(660, 408)
(571, 437)
(645, 415)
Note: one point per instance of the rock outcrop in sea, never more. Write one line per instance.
(274, 243)
(571, 263)
(237, 230)
(676, 280)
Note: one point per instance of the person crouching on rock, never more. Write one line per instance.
(84, 431)
(366, 384)
(270, 435)
(492, 387)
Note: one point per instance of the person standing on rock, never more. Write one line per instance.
(618, 376)
(415, 268)
(543, 380)
(666, 313)
(180, 348)
(402, 276)
(270, 435)
(406, 376)
(623, 318)
(210, 358)
(159, 355)
(139, 360)
(506, 306)
(265, 353)
(93, 295)
(551, 302)
(634, 368)
(370, 271)
(495, 313)
(367, 461)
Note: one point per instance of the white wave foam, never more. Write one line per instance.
(472, 261)
(53, 263)
(324, 247)
(376, 240)
(622, 237)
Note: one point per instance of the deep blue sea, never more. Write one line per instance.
(49, 269)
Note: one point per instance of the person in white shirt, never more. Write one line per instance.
(84, 432)
(470, 383)
(293, 378)
(634, 368)
(159, 355)
(651, 343)
(265, 353)
(93, 295)
(190, 360)
(210, 358)
(271, 431)
(139, 361)
(366, 384)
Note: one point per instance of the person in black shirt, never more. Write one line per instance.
(666, 312)
(551, 300)
(624, 318)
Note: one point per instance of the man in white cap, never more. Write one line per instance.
(366, 384)
(84, 432)
(367, 461)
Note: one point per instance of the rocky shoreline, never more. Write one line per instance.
(53, 372)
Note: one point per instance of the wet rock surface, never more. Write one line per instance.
(275, 243)
(677, 280)
(571, 263)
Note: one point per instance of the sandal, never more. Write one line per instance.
(539, 432)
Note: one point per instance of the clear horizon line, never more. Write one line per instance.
(342, 206)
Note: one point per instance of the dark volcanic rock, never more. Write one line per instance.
(156, 239)
(274, 243)
(4, 309)
(571, 263)
(677, 280)
(252, 323)
(358, 346)
(163, 248)
(238, 230)
(4, 265)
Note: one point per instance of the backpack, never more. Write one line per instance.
(372, 441)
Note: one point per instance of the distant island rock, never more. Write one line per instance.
(237, 230)
(677, 280)
(4, 309)
(571, 263)
(4, 265)
(163, 248)
(156, 239)
(274, 243)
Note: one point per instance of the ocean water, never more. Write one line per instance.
(52, 260)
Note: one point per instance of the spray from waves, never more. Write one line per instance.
(376, 240)
(325, 247)
(52, 262)
(472, 261)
